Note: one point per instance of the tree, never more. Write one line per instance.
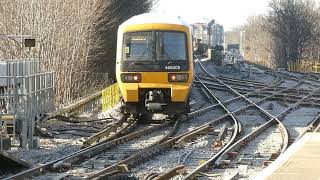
(71, 35)
(291, 23)
(109, 15)
(257, 43)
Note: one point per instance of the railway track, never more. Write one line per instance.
(272, 121)
(92, 155)
(61, 125)
(239, 111)
(230, 153)
(243, 145)
(191, 146)
(177, 167)
(216, 120)
(289, 95)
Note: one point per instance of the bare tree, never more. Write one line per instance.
(67, 31)
(109, 15)
(312, 50)
(291, 23)
(258, 42)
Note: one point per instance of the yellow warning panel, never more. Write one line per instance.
(110, 97)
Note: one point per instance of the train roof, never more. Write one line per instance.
(155, 18)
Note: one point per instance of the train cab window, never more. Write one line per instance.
(171, 46)
(138, 46)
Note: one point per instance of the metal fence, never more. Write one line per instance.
(25, 95)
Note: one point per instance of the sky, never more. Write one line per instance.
(229, 13)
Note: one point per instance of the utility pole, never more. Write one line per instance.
(210, 24)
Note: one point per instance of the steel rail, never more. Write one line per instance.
(104, 135)
(169, 173)
(241, 80)
(176, 140)
(250, 136)
(234, 112)
(280, 96)
(238, 82)
(203, 110)
(295, 78)
(133, 158)
(281, 126)
(262, 128)
(236, 132)
(86, 152)
(311, 127)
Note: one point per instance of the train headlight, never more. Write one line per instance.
(178, 77)
(131, 77)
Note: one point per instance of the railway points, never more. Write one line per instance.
(191, 118)
(272, 100)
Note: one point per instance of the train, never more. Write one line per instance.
(154, 64)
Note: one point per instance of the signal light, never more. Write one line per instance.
(131, 77)
(178, 77)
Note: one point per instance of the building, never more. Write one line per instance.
(200, 33)
(232, 40)
(217, 35)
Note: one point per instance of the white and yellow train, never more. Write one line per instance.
(154, 65)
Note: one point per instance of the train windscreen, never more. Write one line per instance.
(138, 46)
(154, 46)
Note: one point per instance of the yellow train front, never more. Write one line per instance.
(155, 64)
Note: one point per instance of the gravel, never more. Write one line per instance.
(237, 105)
(289, 83)
(198, 99)
(274, 107)
(250, 120)
(257, 74)
(307, 86)
(190, 153)
(115, 154)
(297, 121)
(62, 144)
(223, 95)
(50, 149)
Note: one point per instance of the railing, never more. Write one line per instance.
(24, 99)
(110, 97)
(106, 99)
(25, 95)
(305, 66)
(28, 97)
